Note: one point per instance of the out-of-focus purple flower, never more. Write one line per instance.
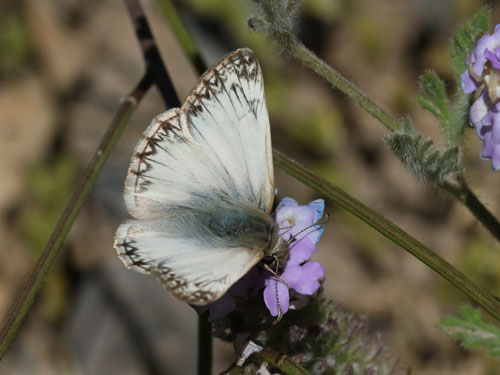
(299, 274)
(483, 77)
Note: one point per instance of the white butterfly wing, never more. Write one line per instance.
(194, 272)
(214, 152)
(217, 145)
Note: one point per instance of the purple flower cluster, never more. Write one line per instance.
(483, 77)
(298, 227)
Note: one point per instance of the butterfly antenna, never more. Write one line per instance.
(276, 279)
(280, 312)
(326, 220)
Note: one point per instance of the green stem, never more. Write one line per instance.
(298, 50)
(25, 298)
(182, 35)
(391, 231)
(462, 192)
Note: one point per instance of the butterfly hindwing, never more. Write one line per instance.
(197, 255)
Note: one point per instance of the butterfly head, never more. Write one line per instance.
(278, 249)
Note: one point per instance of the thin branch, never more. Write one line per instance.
(151, 54)
(27, 294)
(389, 230)
(204, 345)
(461, 190)
(341, 83)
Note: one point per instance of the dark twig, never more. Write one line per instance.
(204, 345)
(151, 54)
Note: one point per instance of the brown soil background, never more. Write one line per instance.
(65, 64)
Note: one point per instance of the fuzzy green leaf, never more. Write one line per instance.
(434, 96)
(433, 99)
(460, 114)
(407, 126)
(472, 330)
(420, 156)
(465, 39)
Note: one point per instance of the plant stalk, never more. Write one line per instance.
(391, 231)
(461, 191)
(25, 299)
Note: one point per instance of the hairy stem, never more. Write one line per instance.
(298, 50)
(391, 231)
(461, 190)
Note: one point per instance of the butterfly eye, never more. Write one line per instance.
(268, 259)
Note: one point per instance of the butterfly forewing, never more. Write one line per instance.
(208, 162)
(217, 145)
(230, 102)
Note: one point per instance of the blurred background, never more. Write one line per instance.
(65, 64)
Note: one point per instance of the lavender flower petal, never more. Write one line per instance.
(478, 111)
(293, 219)
(304, 279)
(487, 42)
(487, 150)
(492, 58)
(489, 132)
(495, 158)
(468, 84)
(301, 251)
(270, 296)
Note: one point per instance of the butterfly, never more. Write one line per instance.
(200, 187)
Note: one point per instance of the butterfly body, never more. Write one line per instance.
(200, 187)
